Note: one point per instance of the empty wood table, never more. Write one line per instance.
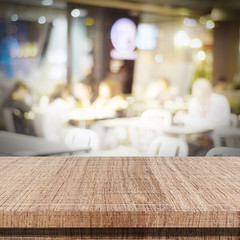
(120, 197)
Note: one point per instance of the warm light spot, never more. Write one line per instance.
(203, 20)
(201, 55)
(89, 21)
(210, 24)
(181, 39)
(196, 43)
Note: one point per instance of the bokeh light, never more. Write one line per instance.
(189, 22)
(159, 58)
(203, 20)
(210, 24)
(201, 55)
(181, 39)
(123, 35)
(14, 17)
(47, 2)
(89, 21)
(196, 43)
(75, 13)
(41, 20)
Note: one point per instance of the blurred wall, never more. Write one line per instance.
(226, 51)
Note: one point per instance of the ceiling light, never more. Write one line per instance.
(14, 17)
(47, 2)
(75, 13)
(189, 22)
(210, 24)
(42, 20)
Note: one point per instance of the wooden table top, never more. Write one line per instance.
(112, 192)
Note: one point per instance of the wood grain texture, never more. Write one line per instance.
(119, 192)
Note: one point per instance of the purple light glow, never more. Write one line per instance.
(123, 35)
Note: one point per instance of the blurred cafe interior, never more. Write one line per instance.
(119, 77)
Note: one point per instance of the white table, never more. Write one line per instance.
(15, 144)
(89, 114)
(181, 130)
(144, 131)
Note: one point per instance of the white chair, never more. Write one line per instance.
(153, 123)
(168, 146)
(233, 120)
(226, 137)
(82, 138)
(223, 151)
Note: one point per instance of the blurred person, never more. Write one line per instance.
(54, 119)
(62, 93)
(110, 96)
(82, 91)
(20, 103)
(162, 90)
(123, 74)
(109, 103)
(205, 108)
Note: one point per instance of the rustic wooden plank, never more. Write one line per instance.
(119, 192)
